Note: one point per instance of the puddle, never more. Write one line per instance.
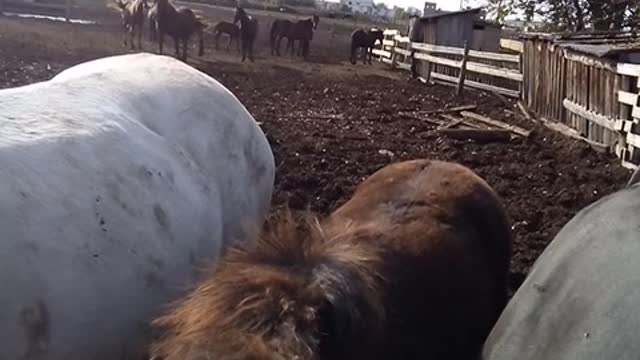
(52, 18)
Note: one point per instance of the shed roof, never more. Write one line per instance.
(602, 44)
(450, 13)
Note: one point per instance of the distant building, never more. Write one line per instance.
(430, 8)
(383, 12)
(365, 7)
(330, 6)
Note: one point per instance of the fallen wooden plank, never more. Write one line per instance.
(450, 110)
(582, 111)
(419, 118)
(525, 112)
(477, 135)
(514, 129)
(458, 121)
(574, 134)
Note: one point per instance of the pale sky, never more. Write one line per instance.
(419, 4)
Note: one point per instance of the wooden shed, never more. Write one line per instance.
(454, 28)
(588, 82)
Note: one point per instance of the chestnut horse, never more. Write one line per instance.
(132, 13)
(413, 266)
(180, 24)
(232, 30)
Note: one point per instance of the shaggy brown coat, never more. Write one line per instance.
(414, 266)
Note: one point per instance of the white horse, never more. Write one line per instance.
(116, 178)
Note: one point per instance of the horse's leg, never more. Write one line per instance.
(185, 41)
(251, 50)
(177, 45)
(244, 48)
(353, 54)
(278, 45)
(132, 36)
(160, 41)
(126, 33)
(140, 37)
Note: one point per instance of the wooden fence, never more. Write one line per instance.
(585, 97)
(594, 96)
(498, 72)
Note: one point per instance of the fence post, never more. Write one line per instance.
(414, 61)
(463, 69)
(394, 56)
(68, 11)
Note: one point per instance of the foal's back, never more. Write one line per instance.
(448, 247)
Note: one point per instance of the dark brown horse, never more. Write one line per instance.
(248, 32)
(365, 39)
(414, 266)
(232, 30)
(132, 13)
(180, 24)
(301, 31)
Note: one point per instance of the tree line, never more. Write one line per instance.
(571, 15)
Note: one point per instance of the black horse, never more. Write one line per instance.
(365, 39)
(248, 32)
(301, 31)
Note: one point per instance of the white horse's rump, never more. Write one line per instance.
(116, 177)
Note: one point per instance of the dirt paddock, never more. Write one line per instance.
(331, 124)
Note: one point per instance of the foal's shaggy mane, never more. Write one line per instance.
(298, 292)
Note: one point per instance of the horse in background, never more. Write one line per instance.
(180, 24)
(301, 31)
(414, 266)
(232, 30)
(366, 40)
(132, 13)
(248, 32)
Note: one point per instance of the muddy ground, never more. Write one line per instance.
(544, 180)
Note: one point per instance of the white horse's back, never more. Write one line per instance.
(116, 177)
